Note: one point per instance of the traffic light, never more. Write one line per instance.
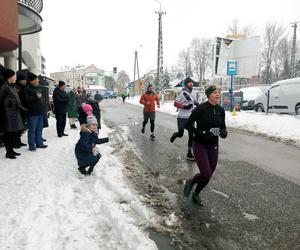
(115, 70)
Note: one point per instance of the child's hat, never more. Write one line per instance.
(91, 120)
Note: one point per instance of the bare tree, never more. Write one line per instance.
(234, 28)
(201, 50)
(110, 82)
(123, 79)
(185, 62)
(272, 37)
(282, 59)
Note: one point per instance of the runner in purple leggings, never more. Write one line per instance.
(210, 120)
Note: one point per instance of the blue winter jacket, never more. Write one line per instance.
(83, 149)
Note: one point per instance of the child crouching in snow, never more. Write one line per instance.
(85, 150)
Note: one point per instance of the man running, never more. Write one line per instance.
(148, 99)
(185, 103)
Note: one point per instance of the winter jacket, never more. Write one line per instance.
(83, 149)
(185, 103)
(60, 100)
(72, 105)
(210, 122)
(32, 102)
(96, 112)
(11, 119)
(148, 99)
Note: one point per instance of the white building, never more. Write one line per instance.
(80, 76)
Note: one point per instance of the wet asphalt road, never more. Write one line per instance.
(252, 201)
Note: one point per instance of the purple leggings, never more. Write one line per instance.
(207, 159)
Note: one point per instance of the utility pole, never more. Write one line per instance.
(293, 54)
(136, 69)
(160, 62)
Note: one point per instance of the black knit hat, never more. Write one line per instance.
(31, 76)
(188, 80)
(7, 73)
(209, 89)
(21, 77)
(61, 83)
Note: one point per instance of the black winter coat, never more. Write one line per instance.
(32, 102)
(83, 149)
(10, 109)
(60, 100)
(96, 112)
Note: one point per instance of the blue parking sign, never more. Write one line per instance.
(231, 67)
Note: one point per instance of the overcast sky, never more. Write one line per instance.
(106, 32)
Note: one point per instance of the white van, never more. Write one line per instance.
(284, 97)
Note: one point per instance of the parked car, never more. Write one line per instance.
(284, 97)
(250, 94)
(110, 94)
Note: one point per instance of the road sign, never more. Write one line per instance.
(231, 68)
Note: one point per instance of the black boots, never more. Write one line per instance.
(173, 137)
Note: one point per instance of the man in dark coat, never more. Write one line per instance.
(20, 87)
(33, 102)
(11, 120)
(60, 100)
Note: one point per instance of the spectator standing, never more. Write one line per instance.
(60, 100)
(72, 108)
(11, 119)
(33, 102)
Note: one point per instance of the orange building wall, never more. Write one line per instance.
(8, 25)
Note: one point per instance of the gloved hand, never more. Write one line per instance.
(105, 140)
(214, 131)
(188, 106)
(223, 133)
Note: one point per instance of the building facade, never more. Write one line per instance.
(80, 76)
(20, 24)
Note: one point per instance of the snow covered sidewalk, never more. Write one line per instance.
(46, 204)
(283, 127)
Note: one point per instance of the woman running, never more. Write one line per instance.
(210, 120)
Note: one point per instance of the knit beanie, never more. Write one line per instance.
(210, 88)
(188, 80)
(31, 76)
(91, 120)
(21, 77)
(7, 73)
(61, 83)
(87, 108)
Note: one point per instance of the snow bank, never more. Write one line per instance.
(47, 204)
(283, 127)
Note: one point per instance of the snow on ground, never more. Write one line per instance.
(283, 127)
(46, 204)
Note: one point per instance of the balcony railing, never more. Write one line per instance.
(36, 5)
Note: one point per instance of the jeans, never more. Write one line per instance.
(35, 130)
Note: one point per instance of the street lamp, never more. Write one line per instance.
(159, 5)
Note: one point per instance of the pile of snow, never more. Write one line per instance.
(284, 127)
(47, 204)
